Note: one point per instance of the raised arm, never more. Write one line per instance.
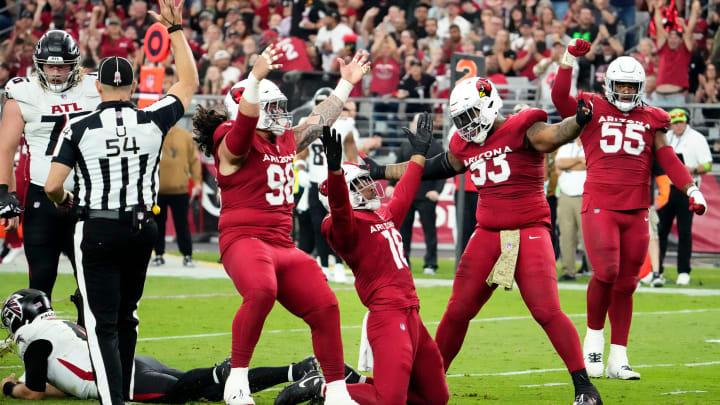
(660, 33)
(339, 227)
(546, 138)
(171, 17)
(329, 110)
(564, 102)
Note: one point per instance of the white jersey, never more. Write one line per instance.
(69, 368)
(45, 114)
(316, 163)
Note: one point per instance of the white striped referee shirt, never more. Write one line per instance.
(115, 152)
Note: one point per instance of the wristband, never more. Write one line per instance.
(252, 90)
(8, 389)
(568, 59)
(343, 89)
(691, 190)
(173, 28)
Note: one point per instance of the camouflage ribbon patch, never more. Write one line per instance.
(503, 271)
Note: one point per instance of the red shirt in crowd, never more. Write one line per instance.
(264, 12)
(122, 47)
(385, 76)
(527, 71)
(673, 66)
(294, 56)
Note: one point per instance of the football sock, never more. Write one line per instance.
(620, 314)
(599, 295)
(618, 355)
(265, 377)
(190, 386)
(450, 336)
(594, 337)
(327, 342)
(248, 324)
(580, 378)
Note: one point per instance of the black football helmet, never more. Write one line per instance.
(57, 48)
(22, 307)
(321, 95)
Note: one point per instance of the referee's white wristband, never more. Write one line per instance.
(343, 89)
(252, 90)
(568, 59)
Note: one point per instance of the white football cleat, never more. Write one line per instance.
(593, 353)
(683, 279)
(12, 254)
(339, 273)
(647, 279)
(621, 372)
(237, 388)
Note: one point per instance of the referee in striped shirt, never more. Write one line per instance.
(115, 152)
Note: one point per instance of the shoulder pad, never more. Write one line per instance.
(18, 88)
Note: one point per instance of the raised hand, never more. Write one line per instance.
(266, 62)
(578, 47)
(333, 148)
(422, 138)
(170, 12)
(356, 69)
(584, 113)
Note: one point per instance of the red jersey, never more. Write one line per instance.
(619, 152)
(508, 176)
(385, 76)
(371, 245)
(257, 200)
(122, 47)
(294, 56)
(673, 66)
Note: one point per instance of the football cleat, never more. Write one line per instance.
(188, 262)
(594, 364)
(11, 255)
(158, 261)
(647, 279)
(237, 389)
(683, 279)
(624, 372)
(339, 273)
(658, 280)
(352, 376)
(304, 367)
(6, 346)
(587, 399)
(221, 371)
(308, 388)
(430, 271)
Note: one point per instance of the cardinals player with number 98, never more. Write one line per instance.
(620, 142)
(254, 154)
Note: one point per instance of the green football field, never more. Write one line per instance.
(506, 359)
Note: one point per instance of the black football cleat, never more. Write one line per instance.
(221, 372)
(588, 395)
(308, 388)
(304, 367)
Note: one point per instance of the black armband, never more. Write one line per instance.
(173, 28)
(8, 389)
(438, 167)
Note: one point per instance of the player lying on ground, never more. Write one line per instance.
(620, 142)
(254, 158)
(407, 366)
(57, 362)
(505, 158)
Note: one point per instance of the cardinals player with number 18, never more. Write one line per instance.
(38, 108)
(254, 155)
(620, 142)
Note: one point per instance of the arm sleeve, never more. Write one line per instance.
(674, 168)
(36, 364)
(405, 192)
(438, 168)
(165, 112)
(239, 138)
(340, 225)
(564, 102)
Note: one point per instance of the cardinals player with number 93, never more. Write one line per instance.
(620, 143)
(254, 154)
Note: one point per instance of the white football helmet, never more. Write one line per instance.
(358, 180)
(474, 105)
(274, 116)
(624, 69)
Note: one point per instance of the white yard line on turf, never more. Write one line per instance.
(713, 341)
(681, 392)
(551, 370)
(497, 319)
(543, 385)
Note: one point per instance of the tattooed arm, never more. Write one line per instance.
(323, 114)
(545, 138)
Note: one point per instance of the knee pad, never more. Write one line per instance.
(625, 285)
(544, 315)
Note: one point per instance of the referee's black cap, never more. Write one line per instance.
(116, 71)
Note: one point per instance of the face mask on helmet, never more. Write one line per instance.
(274, 117)
(365, 193)
(474, 106)
(624, 74)
(59, 54)
(624, 100)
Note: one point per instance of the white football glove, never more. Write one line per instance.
(697, 200)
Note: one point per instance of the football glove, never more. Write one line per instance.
(697, 200)
(584, 113)
(10, 206)
(422, 138)
(333, 148)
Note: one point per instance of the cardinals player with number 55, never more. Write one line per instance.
(620, 142)
(254, 155)
(505, 158)
(38, 108)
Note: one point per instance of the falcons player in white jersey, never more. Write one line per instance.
(37, 108)
(57, 362)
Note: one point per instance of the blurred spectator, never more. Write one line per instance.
(59, 23)
(606, 14)
(501, 50)
(179, 163)
(707, 92)
(112, 41)
(213, 83)
(557, 33)
(529, 56)
(347, 11)
(139, 18)
(109, 9)
(431, 39)
(645, 54)
(650, 96)
(169, 79)
(18, 55)
(626, 14)
(4, 74)
(669, 16)
(408, 46)
(262, 14)
(212, 34)
(674, 51)
(603, 51)
(416, 84)
(295, 54)
(495, 24)
(438, 9)
(517, 16)
(494, 73)
(233, 16)
(453, 43)
(471, 13)
(546, 17)
(386, 66)
(570, 163)
(524, 37)
(305, 18)
(44, 16)
(546, 70)
(418, 23)
(436, 67)
(453, 18)
(329, 39)
(24, 27)
(230, 74)
(395, 17)
(586, 27)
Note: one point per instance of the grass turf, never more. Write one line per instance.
(502, 339)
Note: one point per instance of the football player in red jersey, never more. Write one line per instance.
(620, 143)
(254, 155)
(407, 366)
(505, 158)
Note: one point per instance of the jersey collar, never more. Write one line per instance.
(111, 104)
